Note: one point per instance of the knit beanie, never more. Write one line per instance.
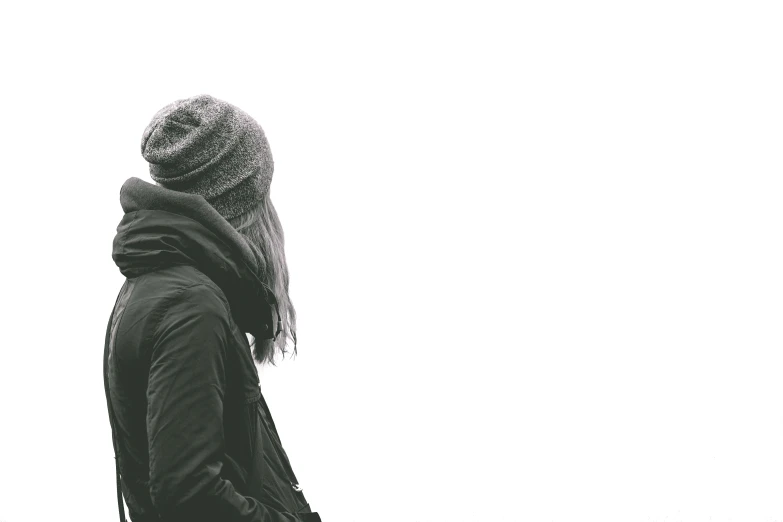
(205, 146)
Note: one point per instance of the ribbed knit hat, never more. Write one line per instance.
(205, 146)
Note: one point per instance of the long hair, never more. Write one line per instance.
(261, 227)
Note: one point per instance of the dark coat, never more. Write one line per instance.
(194, 436)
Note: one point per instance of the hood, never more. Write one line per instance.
(164, 228)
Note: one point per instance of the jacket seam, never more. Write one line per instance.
(172, 299)
(209, 283)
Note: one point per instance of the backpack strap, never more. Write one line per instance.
(112, 418)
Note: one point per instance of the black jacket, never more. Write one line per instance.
(193, 434)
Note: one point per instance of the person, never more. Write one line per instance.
(205, 299)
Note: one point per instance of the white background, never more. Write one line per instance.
(535, 248)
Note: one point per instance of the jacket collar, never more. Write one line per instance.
(163, 228)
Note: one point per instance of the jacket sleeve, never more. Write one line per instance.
(185, 415)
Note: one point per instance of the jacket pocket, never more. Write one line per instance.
(280, 490)
(304, 509)
(250, 425)
(241, 439)
(269, 479)
(279, 479)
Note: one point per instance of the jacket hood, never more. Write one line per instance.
(162, 228)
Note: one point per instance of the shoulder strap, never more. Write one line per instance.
(112, 419)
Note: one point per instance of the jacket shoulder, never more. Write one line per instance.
(177, 281)
(171, 295)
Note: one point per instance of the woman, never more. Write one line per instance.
(202, 253)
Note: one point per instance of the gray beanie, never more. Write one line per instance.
(205, 146)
